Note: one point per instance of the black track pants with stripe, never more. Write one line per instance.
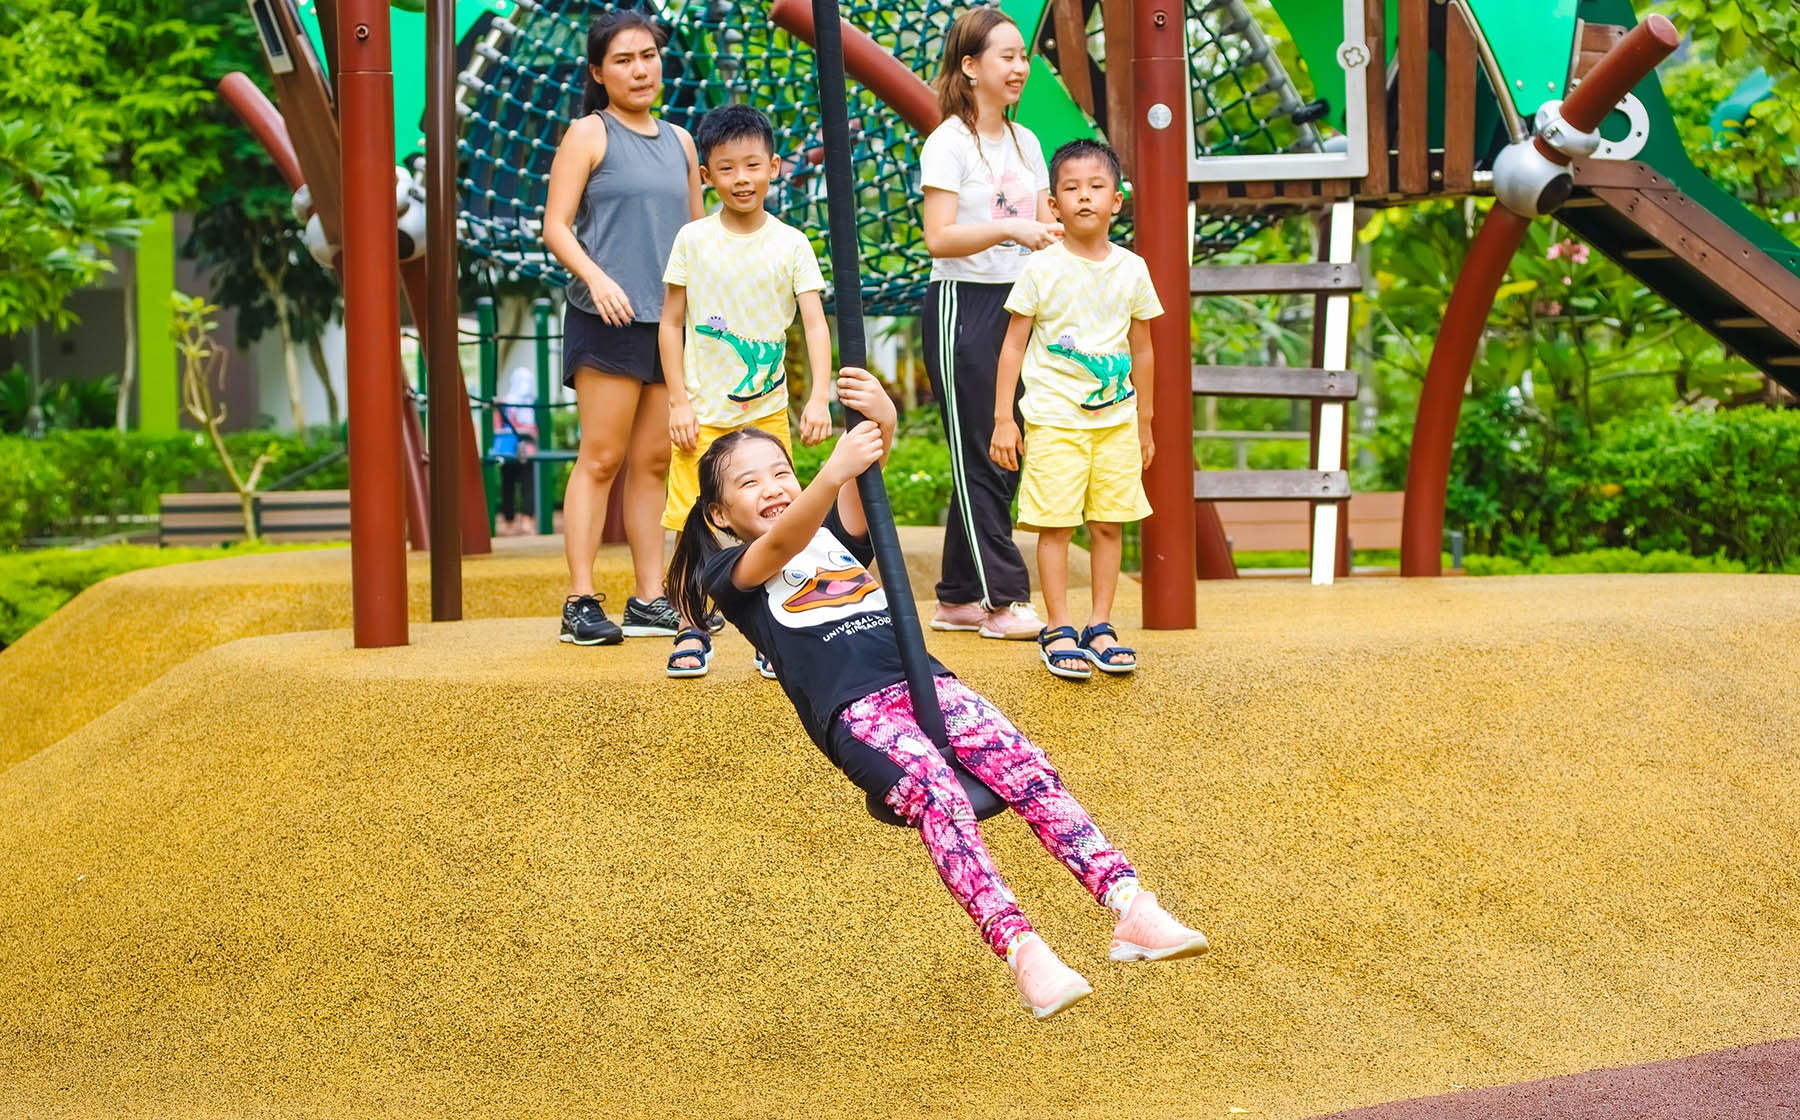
(965, 323)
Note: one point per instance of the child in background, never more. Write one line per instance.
(735, 279)
(796, 582)
(515, 442)
(1080, 338)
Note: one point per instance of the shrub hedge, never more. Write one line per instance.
(71, 481)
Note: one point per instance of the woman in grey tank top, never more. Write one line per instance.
(622, 183)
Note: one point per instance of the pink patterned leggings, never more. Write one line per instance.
(929, 797)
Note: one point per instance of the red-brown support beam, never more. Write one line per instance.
(445, 391)
(372, 326)
(1465, 317)
(864, 59)
(1159, 83)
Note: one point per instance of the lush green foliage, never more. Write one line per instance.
(58, 218)
(124, 87)
(1699, 482)
(1608, 561)
(34, 584)
(66, 404)
(85, 481)
(917, 476)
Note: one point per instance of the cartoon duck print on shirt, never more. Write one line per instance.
(823, 584)
(762, 359)
(1112, 370)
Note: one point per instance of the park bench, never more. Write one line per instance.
(1374, 518)
(282, 517)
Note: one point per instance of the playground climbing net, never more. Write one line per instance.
(523, 85)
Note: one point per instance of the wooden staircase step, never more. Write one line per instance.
(1648, 255)
(1307, 278)
(1275, 381)
(1271, 486)
(1742, 323)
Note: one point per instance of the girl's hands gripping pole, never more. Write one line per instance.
(859, 390)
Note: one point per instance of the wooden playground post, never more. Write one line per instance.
(444, 384)
(1160, 189)
(372, 326)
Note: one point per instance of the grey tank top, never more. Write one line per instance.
(626, 221)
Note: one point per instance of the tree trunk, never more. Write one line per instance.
(128, 373)
(290, 366)
(273, 279)
(315, 348)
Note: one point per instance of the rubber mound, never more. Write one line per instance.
(1444, 834)
(121, 634)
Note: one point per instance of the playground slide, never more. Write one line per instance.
(1644, 204)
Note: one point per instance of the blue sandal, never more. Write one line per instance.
(704, 653)
(1070, 664)
(1105, 659)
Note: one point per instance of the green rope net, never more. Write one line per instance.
(524, 84)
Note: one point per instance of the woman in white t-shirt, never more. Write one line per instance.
(986, 209)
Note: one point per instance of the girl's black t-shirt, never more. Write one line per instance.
(822, 621)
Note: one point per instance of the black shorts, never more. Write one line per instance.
(590, 342)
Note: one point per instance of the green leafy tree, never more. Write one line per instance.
(245, 233)
(58, 218)
(124, 93)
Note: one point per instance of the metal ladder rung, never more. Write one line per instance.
(1314, 278)
(1271, 486)
(1289, 382)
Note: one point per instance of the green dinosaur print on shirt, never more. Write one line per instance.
(762, 359)
(1113, 370)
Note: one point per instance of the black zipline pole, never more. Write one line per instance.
(846, 280)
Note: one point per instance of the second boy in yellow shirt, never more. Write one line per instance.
(1080, 338)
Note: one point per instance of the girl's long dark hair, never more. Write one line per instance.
(968, 38)
(699, 541)
(600, 37)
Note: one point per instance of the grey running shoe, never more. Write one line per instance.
(655, 619)
(584, 622)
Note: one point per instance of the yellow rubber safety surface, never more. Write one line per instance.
(1442, 834)
(121, 634)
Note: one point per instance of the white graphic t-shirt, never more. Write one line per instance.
(993, 179)
(740, 303)
(1077, 370)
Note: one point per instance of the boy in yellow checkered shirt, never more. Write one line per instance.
(734, 280)
(1080, 338)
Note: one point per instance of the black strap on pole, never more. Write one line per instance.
(846, 281)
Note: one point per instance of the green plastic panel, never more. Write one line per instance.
(408, 34)
(1532, 43)
(1046, 107)
(1317, 29)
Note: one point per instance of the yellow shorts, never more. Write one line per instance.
(1072, 475)
(684, 466)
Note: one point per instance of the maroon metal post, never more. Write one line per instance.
(1465, 316)
(445, 392)
(864, 59)
(372, 325)
(1159, 73)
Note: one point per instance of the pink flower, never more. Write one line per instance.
(1579, 254)
(1556, 250)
